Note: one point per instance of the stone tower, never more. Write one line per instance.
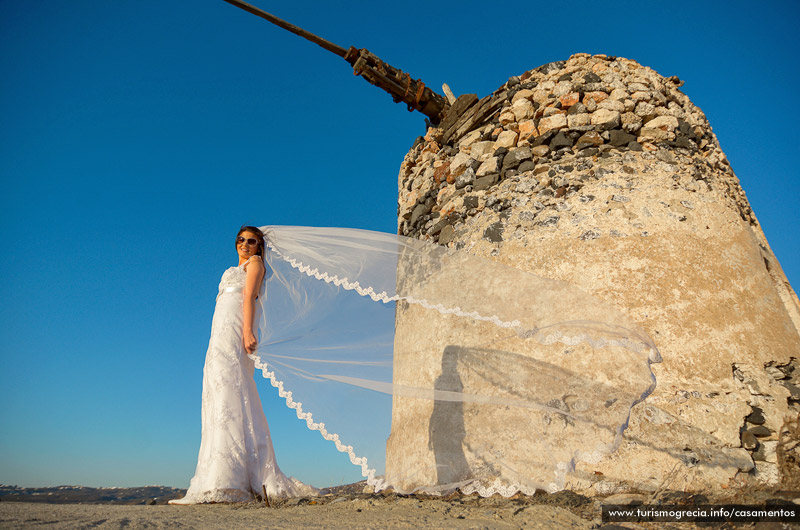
(600, 172)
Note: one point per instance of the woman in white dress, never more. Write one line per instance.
(236, 460)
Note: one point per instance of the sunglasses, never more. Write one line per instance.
(250, 241)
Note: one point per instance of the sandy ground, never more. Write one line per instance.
(562, 510)
(400, 513)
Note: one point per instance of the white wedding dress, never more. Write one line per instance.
(236, 454)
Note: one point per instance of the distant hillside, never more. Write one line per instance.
(81, 494)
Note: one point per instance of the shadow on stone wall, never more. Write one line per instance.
(446, 429)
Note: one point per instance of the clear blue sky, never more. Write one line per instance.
(137, 136)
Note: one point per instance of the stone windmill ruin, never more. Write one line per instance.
(598, 171)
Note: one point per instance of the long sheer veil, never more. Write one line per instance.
(436, 369)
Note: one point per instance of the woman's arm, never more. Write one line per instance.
(255, 275)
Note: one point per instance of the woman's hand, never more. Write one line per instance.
(250, 342)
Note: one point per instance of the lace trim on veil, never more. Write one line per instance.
(378, 483)
(551, 336)
(359, 461)
(384, 297)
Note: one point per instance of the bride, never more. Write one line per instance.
(236, 460)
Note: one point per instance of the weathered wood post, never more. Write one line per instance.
(400, 85)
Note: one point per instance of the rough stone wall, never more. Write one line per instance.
(601, 172)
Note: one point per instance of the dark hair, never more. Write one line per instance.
(259, 236)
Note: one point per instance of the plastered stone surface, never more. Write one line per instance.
(623, 190)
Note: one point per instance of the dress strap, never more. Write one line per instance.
(244, 265)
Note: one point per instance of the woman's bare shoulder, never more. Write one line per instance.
(256, 261)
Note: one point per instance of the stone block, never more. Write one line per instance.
(631, 122)
(495, 232)
(460, 163)
(540, 96)
(618, 94)
(612, 104)
(568, 100)
(491, 165)
(749, 441)
(557, 121)
(596, 96)
(441, 173)
(485, 182)
(579, 121)
(506, 139)
(527, 129)
(618, 138)
(468, 139)
(515, 157)
(507, 117)
(522, 110)
(525, 93)
(665, 123)
(446, 234)
(651, 134)
(560, 140)
(467, 177)
(630, 105)
(605, 119)
(562, 88)
(540, 150)
(551, 111)
(578, 108)
(419, 211)
(645, 110)
(589, 139)
(480, 151)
